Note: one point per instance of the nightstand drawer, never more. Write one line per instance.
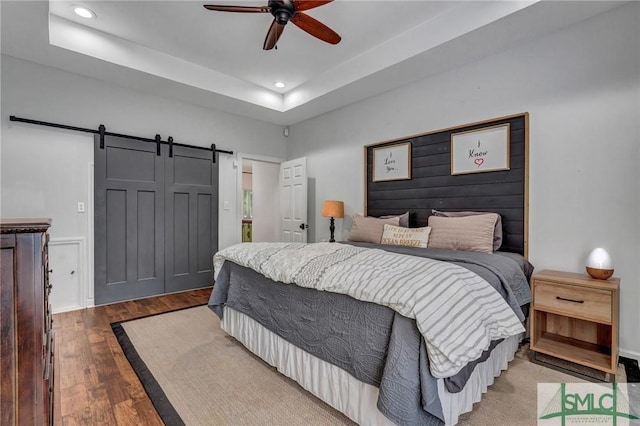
(590, 304)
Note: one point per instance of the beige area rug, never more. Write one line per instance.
(211, 379)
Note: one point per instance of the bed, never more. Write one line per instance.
(364, 359)
(336, 328)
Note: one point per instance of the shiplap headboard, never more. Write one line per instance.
(433, 187)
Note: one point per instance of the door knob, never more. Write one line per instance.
(304, 226)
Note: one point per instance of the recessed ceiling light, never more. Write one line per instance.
(84, 12)
(279, 84)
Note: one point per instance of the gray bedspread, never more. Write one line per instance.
(373, 343)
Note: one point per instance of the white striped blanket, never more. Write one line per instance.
(457, 312)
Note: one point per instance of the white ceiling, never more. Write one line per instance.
(215, 59)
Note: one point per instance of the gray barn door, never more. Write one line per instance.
(191, 230)
(129, 220)
(156, 219)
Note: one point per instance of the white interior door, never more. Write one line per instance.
(293, 200)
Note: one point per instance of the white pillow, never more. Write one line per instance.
(399, 236)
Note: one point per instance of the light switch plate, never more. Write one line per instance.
(81, 208)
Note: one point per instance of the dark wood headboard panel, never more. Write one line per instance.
(433, 187)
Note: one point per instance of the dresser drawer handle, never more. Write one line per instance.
(569, 300)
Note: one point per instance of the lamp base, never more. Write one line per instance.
(332, 228)
(600, 274)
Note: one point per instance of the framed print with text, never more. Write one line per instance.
(480, 150)
(392, 162)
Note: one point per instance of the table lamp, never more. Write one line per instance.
(333, 209)
(600, 264)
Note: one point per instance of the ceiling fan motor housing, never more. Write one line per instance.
(282, 10)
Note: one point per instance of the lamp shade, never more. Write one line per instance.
(600, 264)
(332, 208)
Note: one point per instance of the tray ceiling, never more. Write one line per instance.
(215, 59)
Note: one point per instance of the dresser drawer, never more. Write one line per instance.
(590, 304)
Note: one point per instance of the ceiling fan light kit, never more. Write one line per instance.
(284, 11)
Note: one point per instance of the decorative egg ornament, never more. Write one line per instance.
(599, 264)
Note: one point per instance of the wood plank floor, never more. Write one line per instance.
(94, 383)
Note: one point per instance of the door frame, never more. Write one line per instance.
(239, 159)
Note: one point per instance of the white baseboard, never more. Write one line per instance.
(66, 309)
(629, 354)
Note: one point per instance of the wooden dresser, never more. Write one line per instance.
(26, 337)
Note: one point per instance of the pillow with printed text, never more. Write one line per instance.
(412, 237)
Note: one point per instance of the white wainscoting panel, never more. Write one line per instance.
(67, 264)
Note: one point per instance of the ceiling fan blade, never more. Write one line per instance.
(315, 28)
(274, 33)
(301, 5)
(244, 9)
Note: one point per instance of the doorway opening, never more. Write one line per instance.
(247, 200)
(260, 195)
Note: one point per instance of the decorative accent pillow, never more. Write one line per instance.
(404, 218)
(369, 229)
(468, 233)
(497, 232)
(400, 236)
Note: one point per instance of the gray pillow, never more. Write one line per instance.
(404, 218)
(497, 232)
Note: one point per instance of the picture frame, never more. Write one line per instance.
(392, 162)
(481, 150)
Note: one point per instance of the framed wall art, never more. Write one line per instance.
(392, 162)
(480, 150)
(432, 186)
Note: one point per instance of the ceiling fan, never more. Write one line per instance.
(284, 11)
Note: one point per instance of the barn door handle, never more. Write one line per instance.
(304, 226)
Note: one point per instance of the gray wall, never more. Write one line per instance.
(581, 87)
(45, 171)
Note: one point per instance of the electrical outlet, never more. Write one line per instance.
(81, 208)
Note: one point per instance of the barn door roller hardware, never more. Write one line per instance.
(102, 132)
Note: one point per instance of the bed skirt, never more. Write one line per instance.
(339, 389)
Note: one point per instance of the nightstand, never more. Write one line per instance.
(575, 317)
